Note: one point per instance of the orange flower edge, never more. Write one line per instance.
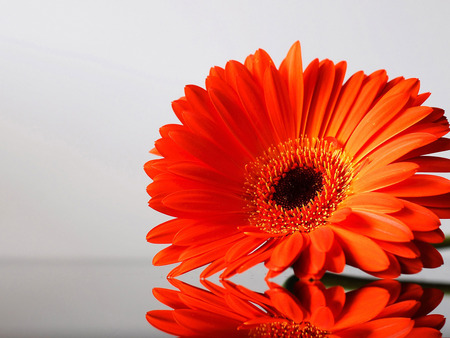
(294, 167)
(384, 308)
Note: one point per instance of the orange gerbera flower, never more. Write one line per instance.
(384, 308)
(295, 168)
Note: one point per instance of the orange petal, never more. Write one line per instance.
(196, 262)
(260, 255)
(441, 144)
(335, 299)
(434, 320)
(164, 321)
(205, 247)
(204, 175)
(218, 72)
(358, 310)
(431, 163)
(203, 232)
(252, 260)
(168, 297)
(204, 201)
(317, 260)
(405, 119)
(321, 96)
(384, 176)
(406, 308)
(340, 70)
(323, 318)
(168, 255)
(251, 230)
(410, 265)
(381, 328)
(207, 153)
(167, 183)
(257, 65)
(396, 148)
(278, 105)
(392, 286)
(339, 215)
(204, 322)
(406, 249)
(291, 70)
(286, 304)
(430, 257)
(216, 135)
(430, 299)
(310, 264)
(322, 238)
(427, 332)
(239, 124)
(371, 86)
(155, 167)
(375, 119)
(171, 151)
(344, 102)
(361, 251)
(420, 99)
(373, 201)
(242, 248)
(286, 252)
(199, 101)
(400, 85)
(335, 258)
(439, 201)
(417, 218)
(239, 305)
(378, 226)
(436, 116)
(419, 185)
(211, 304)
(213, 268)
(310, 79)
(252, 99)
(156, 203)
(165, 232)
(435, 236)
(437, 128)
(410, 291)
(440, 212)
(392, 271)
(311, 295)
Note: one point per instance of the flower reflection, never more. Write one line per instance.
(384, 308)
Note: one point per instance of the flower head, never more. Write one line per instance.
(384, 308)
(294, 167)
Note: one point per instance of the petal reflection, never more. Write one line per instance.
(383, 308)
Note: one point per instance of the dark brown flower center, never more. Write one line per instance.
(297, 187)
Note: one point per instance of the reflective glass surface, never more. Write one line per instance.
(111, 298)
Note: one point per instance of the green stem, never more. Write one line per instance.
(351, 283)
(348, 282)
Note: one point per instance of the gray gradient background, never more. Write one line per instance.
(84, 87)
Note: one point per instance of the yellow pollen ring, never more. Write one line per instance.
(263, 174)
(285, 329)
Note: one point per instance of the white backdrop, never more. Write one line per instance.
(84, 87)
